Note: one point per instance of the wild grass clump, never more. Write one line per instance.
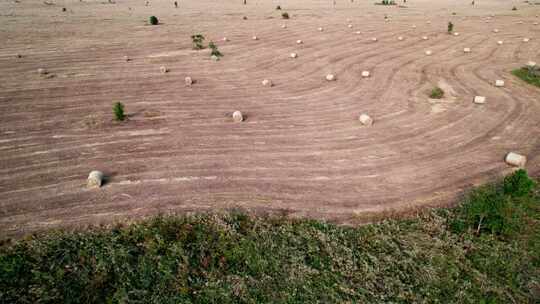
(436, 93)
(529, 74)
(238, 258)
(514, 8)
(388, 2)
(450, 27)
(197, 41)
(278, 7)
(118, 110)
(285, 15)
(215, 51)
(153, 20)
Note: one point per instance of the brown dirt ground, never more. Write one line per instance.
(301, 150)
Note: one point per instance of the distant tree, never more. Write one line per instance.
(118, 110)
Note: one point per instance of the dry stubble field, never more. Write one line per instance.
(301, 150)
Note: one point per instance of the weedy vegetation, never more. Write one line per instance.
(436, 93)
(529, 74)
(483, 251)
(197, 41)
(118, 110)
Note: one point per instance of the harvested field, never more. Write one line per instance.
(300, 150)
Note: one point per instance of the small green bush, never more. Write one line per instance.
(278, 8)
(436, 93)
(497, 208)
(285, 15)
(528, 75)
(197, 40)
(118, 110)
(518, 184)
(153, 20)
(215, 51)
(514, 8)
(450, 27)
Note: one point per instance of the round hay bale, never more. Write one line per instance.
(400, 38)
(413, 26)
(500, 42)
(284, 26)
(320, 29)
(267, 83)
(456, 34)
(225, 39)
(95, 179)
(237, 116)
(365, 119)
(428, 22)
(42, 71)
(126, 58)
(188, 81)
(357, 32)
(330, 77)
(429, 53)
(294, 55)
(466, 50)
(299, 41)
(496, 30)
(365, 74)
(499, 83)
(425, 38)
(350, 25)
(515, 159)
(163, 69)
(255, 38)
(526, 39)
(374, 39)
(479, 99)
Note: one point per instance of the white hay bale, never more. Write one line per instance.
(400, 38)
(531, 64)
(479, 99)
(499, 83)
(330, 77)
(515, 159)
(225, 39)
(387, 20)
(267, 83)
(365, 74)
(299, 41)
(237, 116)
(255, 38)
(496, 30)
(350, 25)
(425, 38)
(95, 179)
(500, 42)
(294, 55)
(526, 39)
(428, 53)
(413, 26)
(188, 81)
(284, 26)
(374, 39)
(42, 71)
(466, 50)
(456, 34)
(365, 119)
(357, 32)
(163, 69)
(126, 58)
(428, 22)
(320, 29)
(535, 23)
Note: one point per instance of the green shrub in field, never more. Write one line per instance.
(278, 7)
(450, 27)
(529, 75)
(514, 8)
(153, 20)
(436, 93)
(197, 41)
(118, 110)
(518, 184)
(496, 208)
(285, 15)
(215, 51)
